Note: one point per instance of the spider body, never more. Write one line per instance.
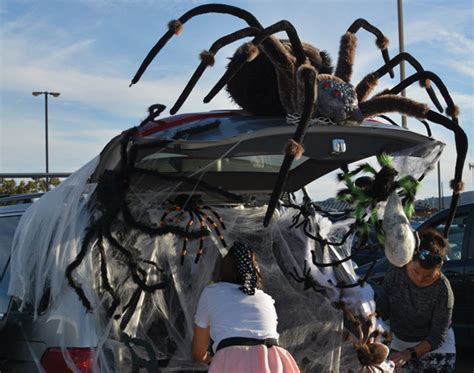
(369, 353)
(255, 87)
(193, 206)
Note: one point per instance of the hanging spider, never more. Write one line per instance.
(308, 280)
(305, 211)
(290, 77)
(370, 353)
(194, 207)
(365, 193)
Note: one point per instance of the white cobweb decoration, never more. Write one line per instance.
(154, 329)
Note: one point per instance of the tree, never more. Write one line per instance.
(9, 186)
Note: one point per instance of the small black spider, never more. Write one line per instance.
(307, 280)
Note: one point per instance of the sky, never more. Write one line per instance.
(89, 50)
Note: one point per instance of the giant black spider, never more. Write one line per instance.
(110, 203)
(194, 207)
(290, 77)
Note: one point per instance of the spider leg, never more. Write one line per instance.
(184, 251)
(278, 55)
(76, 262)
(355, 322)
(154, 112)
(161, 230)
(295, 275)
(360, 282)
(296, 220)
(348, 44)
(176, 26)
(138, 275)
(371, 325)
(308, 75)
(305, 224)
(207, 59)
(129, 308)
(366, 85)
(306, 269)
(451, 110)
(461, 149)
(324, 242)
(390, 103)
(202, 225)
(330, 264)
(213, 224)
(105, 277)
(365, 167)
(214, 212)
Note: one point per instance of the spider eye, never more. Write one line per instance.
(337, 93)
(326, 85)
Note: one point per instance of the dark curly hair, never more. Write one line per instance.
(434, 242)
(229, 271)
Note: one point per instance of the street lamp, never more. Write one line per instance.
(54, 94)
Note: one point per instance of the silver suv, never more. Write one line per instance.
(25, 343)
(253, 156)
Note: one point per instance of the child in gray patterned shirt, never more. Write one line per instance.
(418, 300)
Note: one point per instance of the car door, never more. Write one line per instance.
(469, 275)
(8, 223)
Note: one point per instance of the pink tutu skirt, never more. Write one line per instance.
(253, 359)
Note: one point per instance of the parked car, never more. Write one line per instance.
(239, 153)
(25, 342)
(458, 268)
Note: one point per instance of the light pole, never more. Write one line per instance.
(401, 50)
(54, 94)
(471, 166)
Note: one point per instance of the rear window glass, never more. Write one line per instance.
(167, 162)
(7, 230)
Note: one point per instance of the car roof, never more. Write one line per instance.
(236, 134)
(17, 203)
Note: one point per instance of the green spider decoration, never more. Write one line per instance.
(365, 192)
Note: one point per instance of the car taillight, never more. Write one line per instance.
(53, 360)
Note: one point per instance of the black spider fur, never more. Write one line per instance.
(110, 199)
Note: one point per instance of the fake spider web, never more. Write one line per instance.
(152, 331)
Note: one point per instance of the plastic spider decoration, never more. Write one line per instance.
(369, 352)
(269, 76)
(307, 279)
(366, 192)
(193, 206)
